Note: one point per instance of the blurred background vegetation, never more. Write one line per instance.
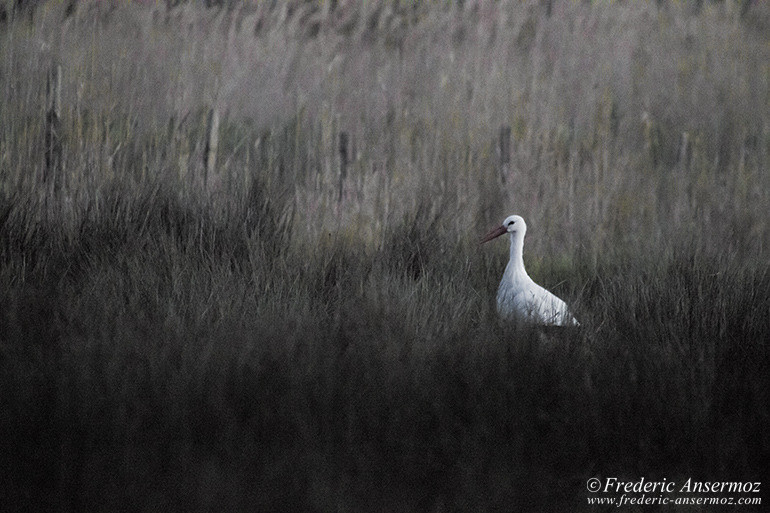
(633, 124)
(304, 322)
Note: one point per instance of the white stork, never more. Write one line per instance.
(520, 297)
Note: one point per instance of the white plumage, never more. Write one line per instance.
(518, 295)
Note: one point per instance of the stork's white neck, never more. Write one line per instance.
(516, 262)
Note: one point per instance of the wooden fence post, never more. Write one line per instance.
(212, 142)
(53, 148)
(684, 151)
(344, 158)
(504, 152)
(548, 8)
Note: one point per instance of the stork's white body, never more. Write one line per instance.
(518, 296)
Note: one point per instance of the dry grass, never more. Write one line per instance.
(598, 99)
(245, 339)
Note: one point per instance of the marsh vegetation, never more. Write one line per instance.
(256, 334)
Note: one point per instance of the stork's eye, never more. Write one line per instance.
(511, 222)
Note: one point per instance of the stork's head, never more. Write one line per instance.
(512, 224)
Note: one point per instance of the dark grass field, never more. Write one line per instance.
(170, 363)
(249, 339)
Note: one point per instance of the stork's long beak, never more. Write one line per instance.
(494, 233)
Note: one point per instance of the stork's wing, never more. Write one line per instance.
(535, 304)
